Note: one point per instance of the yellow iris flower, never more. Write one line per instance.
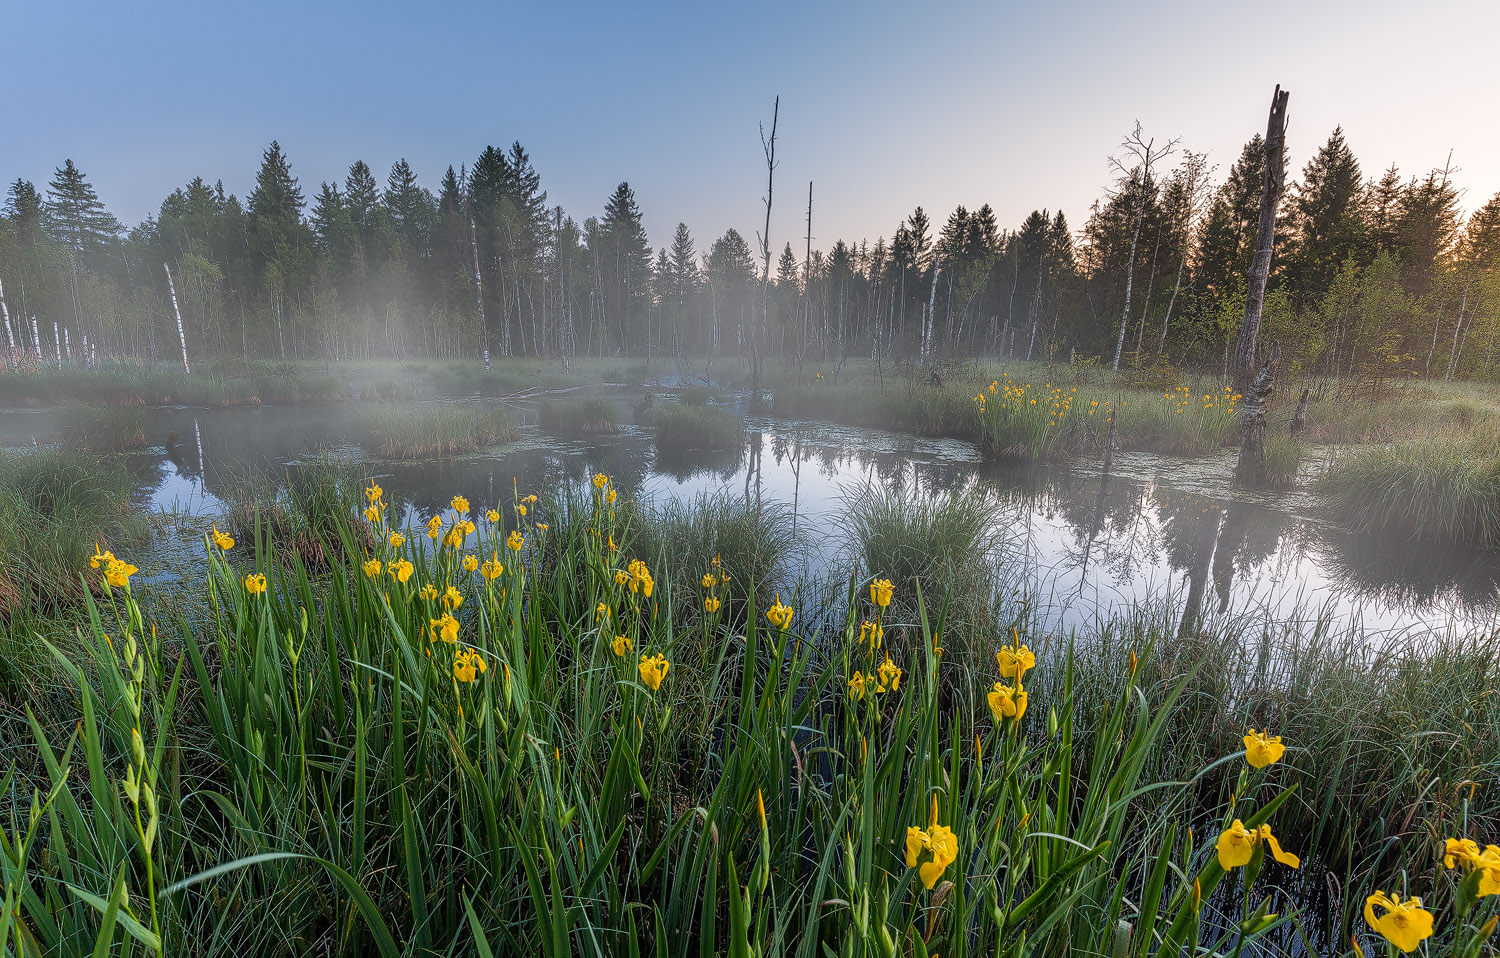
(493, 568)
(653, 669)
(1262, 749)
(931, 850)
(1464, 854)
(255, 583)
(445, 628)
(468, 665)
(881, 591)
(780, 615)
(1236, 844)
(1007, 704)
(1404, 924)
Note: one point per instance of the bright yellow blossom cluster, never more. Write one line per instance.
(117, 572)
(932, 849)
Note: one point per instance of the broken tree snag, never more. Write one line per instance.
(1299, 418)
(1265, 240)
(1252, 468)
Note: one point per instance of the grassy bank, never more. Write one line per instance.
(123, 384)
(506, 741)
(436, 430)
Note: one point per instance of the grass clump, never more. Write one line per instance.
(594, 416)
(310, 510)
(683, 428)
(949, 543)
(437, 430)
(56, 508)
(1438, 490)
(1284, 454)
(905, 405)
(102, 428)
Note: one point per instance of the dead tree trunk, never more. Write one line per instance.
(1252, 466)
(1265, 240)
(1299, 418)
(769, 148)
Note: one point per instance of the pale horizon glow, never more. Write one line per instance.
(884, 107)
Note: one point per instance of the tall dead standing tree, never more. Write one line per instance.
(769, 148)
(1265, 240)
(1138, 155)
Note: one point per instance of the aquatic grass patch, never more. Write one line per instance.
(900, 404)
(1180, 421)
(102, 428)
(56, 508)
(437, 430)
(594, 416)
(683, 428)
(1025, 421)
(1284, 455)
(1438, 490)
(309, 510)
(948, 543)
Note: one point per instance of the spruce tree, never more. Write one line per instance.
(75, 217)
(1327, 220)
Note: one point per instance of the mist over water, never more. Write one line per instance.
(1159, 530)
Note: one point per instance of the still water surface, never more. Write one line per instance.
(1160, 529)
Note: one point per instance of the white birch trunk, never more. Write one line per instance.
(181, 337)
(10, 337)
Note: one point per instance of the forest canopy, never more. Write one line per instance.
(1376, 273)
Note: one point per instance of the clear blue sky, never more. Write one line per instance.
(884, 105)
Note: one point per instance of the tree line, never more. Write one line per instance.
(1373, 275)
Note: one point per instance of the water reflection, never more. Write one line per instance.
(1157, 526)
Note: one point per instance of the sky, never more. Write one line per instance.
(885, 106)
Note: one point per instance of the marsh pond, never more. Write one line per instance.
(1158, 529)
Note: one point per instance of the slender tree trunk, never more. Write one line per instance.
(769, 147)
(1161, 343)
(1265, 240)
(181, 339)
(10, 337)
(484, 329)
(1457, 327)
